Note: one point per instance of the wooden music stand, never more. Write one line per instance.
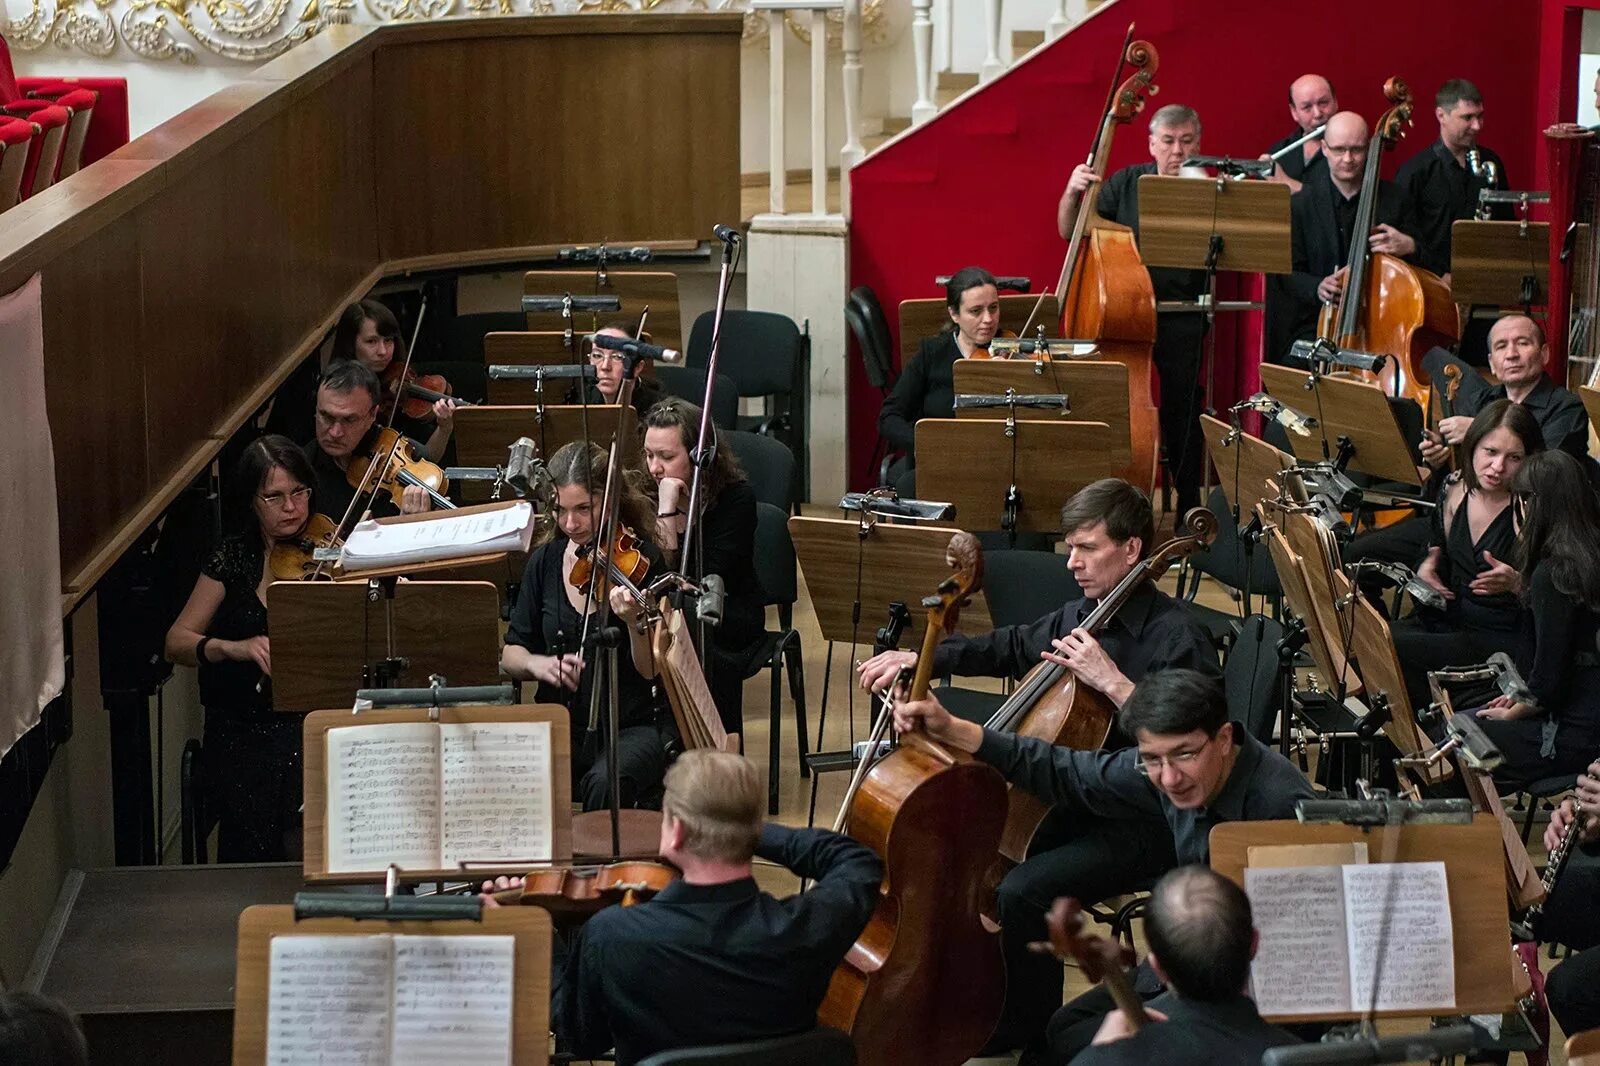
(924, 318)
(1348, 409)
(530, 1010)
(1179, 217)
(541, 348)
(1477, 896)
(331, 638)
(1499, 264)
(973, 462)
(315, 764)
(484, 434)
(1327, 653)
(637, 289)
(1095, 390)
(1245, 465)
(693, 709)
(1591, 403)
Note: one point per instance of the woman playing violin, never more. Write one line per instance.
(547, 626)
(926, 388)
(369, 333)
(252, 753)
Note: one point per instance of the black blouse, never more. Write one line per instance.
(727, 540)
(543, 620)
(1559, 657)
(926, 389)
(228, 685)
(1462, 561)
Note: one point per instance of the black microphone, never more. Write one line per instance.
(517, 464)
(727, 234)
(627, 345)
(713, 594)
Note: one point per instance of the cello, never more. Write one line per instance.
(1104, 291)
(1053, 705)
(1388, 306)
(925, 981)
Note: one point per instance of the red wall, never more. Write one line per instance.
(979, 183)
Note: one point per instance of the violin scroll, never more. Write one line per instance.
(1095, 955)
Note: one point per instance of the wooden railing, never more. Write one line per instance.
(187, 273)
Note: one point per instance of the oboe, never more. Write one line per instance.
(1553, 865)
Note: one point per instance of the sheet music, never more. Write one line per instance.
(328, 1000)
(449, 535)
(1300, 913)
(496, 788)
(452, 1000)
(1418, 962)
(383, 797)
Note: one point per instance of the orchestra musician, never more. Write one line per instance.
(1123, 818)
(1322, 215)
(1557, 555)
(1202, 940)
(725, 543)
(1174, 137)
(251, 752)
(547, 626)
(1572, 988)
(1469, 553)
(926, 386)
(368, 333)
(647, 392)
(711, 959)
(347, 428)
(1311, 102)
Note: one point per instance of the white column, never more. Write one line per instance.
(992, 66)
(819, 113)
(1058, 22)
(778, 174)
(946, 25)
(852, 151)
(922, 47)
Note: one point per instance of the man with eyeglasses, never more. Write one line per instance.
(346, 419)
(1129, 816)
(1322, 218)
(608, 374)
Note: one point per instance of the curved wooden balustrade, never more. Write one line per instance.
(187, 273)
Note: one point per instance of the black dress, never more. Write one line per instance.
(544, 622)
(252, 753)
(727, 546)
(925, 389)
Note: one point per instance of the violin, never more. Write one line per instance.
(625, 565)
(1447, 406)
(417, 393)
(395, 469)
(295, 559)
(1103, 961)
(576, 892)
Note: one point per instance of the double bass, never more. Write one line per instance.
(925, 981)
(1104, 291)
(1388, 306)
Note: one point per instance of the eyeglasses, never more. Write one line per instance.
(1354, 149)
(347, 421)
(278, 499)
(603, 356)
(1152, 765)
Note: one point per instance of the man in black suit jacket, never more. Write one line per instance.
(1322, 215)
(1312, 102)
(1201, 943)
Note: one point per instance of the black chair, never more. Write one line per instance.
(1543, 790)
(467, 331)
(818, 1047)
(194, 821)
(766, 355)
(867, 322)
(689, 383)
(1225, 561)
(1250, 676)
(779, 575)
(769, 464)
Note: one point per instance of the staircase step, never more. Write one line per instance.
(896, 124)
(1025, 41)
(956, 82)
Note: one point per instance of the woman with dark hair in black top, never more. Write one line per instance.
(926, 387)
(1469, 553)
(725, 543)
(368, 333)
(252, 753)
(542, 641)
(1557, 554)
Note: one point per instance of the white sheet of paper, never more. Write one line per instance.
(446, 536)
(1417, 969)
(496, 785)
(328, 1001)
(1301, 967)
(383, 797)
(452, 1000)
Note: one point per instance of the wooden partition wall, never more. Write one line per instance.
(187, 273)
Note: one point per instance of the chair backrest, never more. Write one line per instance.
(467, 331)
(44, 154)
(871, 327)
(689, 383)
(1023, 586)
(818, 1047)
(80, 104)
(1250, 676)
(760, 350)
(15, 138)
(769, 464)
(775, 561)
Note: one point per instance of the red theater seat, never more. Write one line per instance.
(45, 154)
(80, 105)
(15, 136)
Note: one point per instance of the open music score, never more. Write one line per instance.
(481, 787)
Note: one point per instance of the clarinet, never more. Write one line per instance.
(1553, 866)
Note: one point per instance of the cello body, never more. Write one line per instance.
(1405, 311)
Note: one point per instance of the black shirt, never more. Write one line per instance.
(332, 492)
(227, 684)
(1563, 422)
(715, 964)
(726, 545)
(1559, 657)
(1295, 165)
(647, 392)
(1462, 560)
(1194, 1034)
(1443, 191)
(925, 389)
(543, 620)
(1119, 201)
(1152, 632)
(1262, 785)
